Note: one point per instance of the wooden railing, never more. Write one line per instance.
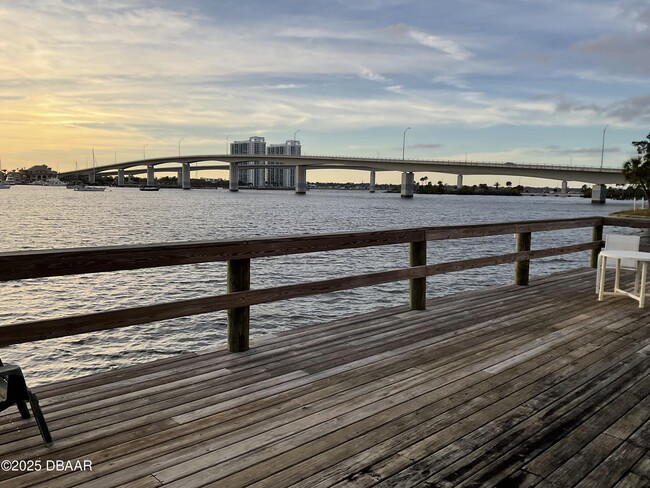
(238, 255)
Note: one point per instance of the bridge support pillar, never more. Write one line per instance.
(233, 183)
(301, 180)
(179, 178)
(565, 187)
(459, 182)
(91, 177)
(120, 177)
(408, 185)
(598, 194)
(372, 182)
(151, 180)
(185, 177)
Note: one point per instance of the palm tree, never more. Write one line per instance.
(508, 184)
(637, 173)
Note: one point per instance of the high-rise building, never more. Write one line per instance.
(263, 177)
(254, 145)
(281, 177)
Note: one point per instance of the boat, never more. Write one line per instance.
(149, 188)
(88, 188)
(83, 186)
(55, 182)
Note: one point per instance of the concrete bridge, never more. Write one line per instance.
(183, 165)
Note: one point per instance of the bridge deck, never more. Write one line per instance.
(540, 385)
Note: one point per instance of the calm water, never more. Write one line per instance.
(46, 218)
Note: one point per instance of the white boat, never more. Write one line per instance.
(89, 188)
(55, 182)
(84, 187)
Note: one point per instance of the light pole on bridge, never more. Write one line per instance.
(144, 151)
(602, 150)
(295, 134)
(404, 142)
(227, 146)
(179, 146)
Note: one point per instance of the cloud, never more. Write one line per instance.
(627, 110)
(451, 79)
(446, 46)
(283, 86)
(369, 75)
(395, 89)
(631, 109)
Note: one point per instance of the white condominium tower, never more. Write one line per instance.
(266, 177)
(283, 177)
(254, 145)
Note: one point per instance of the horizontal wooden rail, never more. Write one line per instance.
(62, 262)
(238, 253)
(635, 223)
(61, 327)
(486, 230)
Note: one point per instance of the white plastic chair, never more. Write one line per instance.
(620, 243)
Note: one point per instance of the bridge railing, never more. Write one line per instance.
(239, 253)
(306, 157)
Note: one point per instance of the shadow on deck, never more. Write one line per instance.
(509, 386)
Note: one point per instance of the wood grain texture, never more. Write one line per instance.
(504, 386)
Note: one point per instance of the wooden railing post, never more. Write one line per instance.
(522, 268)
(418, 286)
(239, 279)
(596, 235)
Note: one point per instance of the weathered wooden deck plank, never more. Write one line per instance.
(506, 384)
(362, 467)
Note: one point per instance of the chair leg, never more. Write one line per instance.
(40, 420)
(22, 408)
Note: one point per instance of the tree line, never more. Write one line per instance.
(637, 169)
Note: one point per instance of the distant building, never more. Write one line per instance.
(277, 177)
(266, 177)
(254, 145)
(35, 174)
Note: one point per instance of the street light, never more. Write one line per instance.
(404, 142)
(602, 151)
(179, 146)
(227, 146)
(144, 151)
(295, 133)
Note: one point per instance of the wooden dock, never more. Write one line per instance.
(507, 386)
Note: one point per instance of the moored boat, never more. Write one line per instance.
(89, 188)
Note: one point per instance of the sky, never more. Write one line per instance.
(531, 81)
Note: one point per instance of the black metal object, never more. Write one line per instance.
(14, 391)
